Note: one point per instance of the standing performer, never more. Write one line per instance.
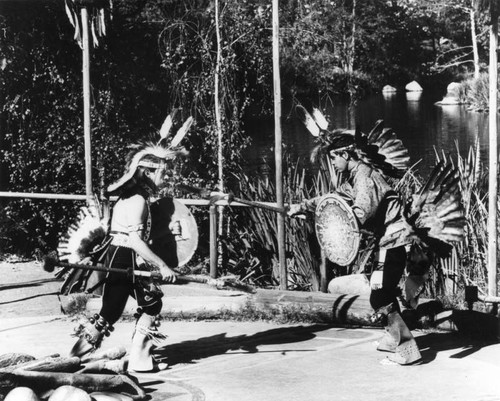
(145, 171)
(369, 162)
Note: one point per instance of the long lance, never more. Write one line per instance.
(230, 198)
(50, 262)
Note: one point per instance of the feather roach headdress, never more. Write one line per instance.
(380, 149)
(152, 155)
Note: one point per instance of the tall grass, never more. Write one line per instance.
(251, 243)
(475, 92)
(469, 263)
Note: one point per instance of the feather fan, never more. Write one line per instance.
(86, 233)
(436, 213)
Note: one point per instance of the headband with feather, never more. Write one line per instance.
(143, 153)
(380, 149)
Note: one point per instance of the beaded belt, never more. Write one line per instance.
(120, 239)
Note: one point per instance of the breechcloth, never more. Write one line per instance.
(118, 287)
(394, 266)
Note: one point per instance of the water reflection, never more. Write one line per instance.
(423, 126)
(413, 97)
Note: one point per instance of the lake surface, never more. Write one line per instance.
(422, 125)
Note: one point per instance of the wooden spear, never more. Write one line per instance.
(50, 262)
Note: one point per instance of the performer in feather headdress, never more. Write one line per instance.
(146, 169)
(430, 224)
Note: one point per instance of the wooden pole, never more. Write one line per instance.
(213, 240)
(218, 120)
(323, 273)
(86, 103)
(216, 100)
(278, 147)
(493, 164)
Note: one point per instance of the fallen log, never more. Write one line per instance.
(118, 366)
(111, 353)
(348, 300)
(48, 364)
(44, 381)
(14, 358)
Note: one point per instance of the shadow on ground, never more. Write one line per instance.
(432, 343)
(190, 351)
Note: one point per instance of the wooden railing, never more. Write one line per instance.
(187, 202)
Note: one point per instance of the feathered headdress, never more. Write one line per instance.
(380, 149)
(142, 153)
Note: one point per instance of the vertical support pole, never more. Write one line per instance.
(278, 147)
(217, 100)
(213, 240)
(323, 272)
(493, 164)
(86, 103)
(218, 119)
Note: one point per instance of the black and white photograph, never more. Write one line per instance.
(249, 200)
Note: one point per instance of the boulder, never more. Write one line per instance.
(413, 86)
(350, 284)
(69, 393)
(352, 300)
(22, 394)
(453, 90)
(389, 89)
(452, 94)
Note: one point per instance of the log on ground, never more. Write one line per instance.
(347, 303)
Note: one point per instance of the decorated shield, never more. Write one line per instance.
(174, 233)
(337, 230)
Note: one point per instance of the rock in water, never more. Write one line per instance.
(413, 86)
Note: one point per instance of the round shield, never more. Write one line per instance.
(174, 233)
(337, 230)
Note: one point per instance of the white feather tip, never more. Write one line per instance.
(320, 119)
(182, 132)
(165, 128)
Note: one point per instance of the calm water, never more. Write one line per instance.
(418, 122)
